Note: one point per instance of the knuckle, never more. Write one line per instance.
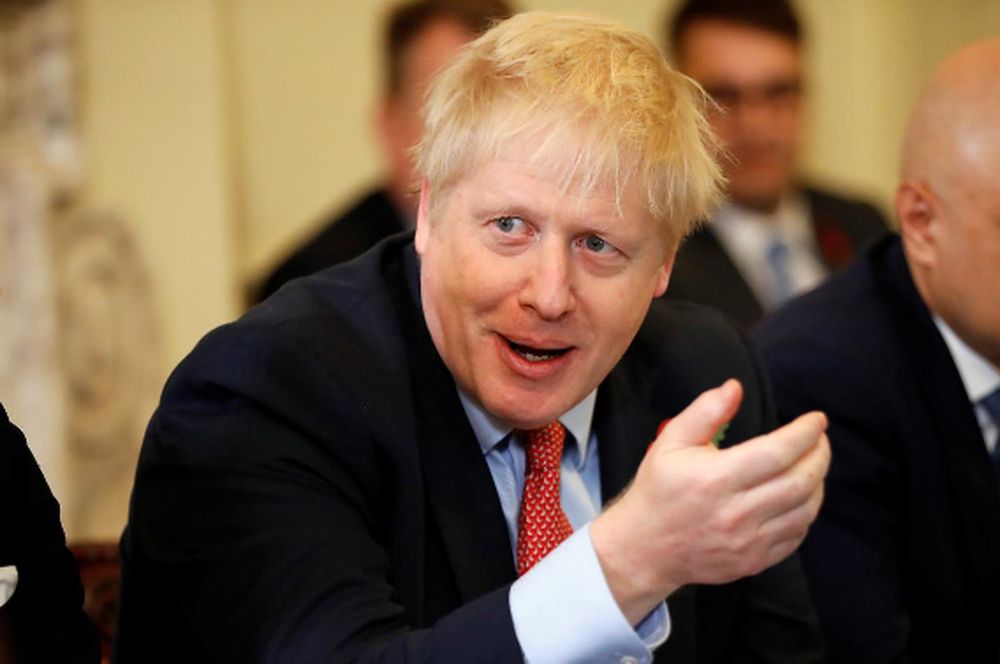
(776, 458)
(803, 486)
(730, 523)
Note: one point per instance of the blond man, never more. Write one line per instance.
(408, 458)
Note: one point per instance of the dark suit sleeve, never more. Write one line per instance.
(851, 554)
(257, 534)
(45, 614)
(775, 619)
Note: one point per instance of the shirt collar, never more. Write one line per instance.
(491, 431)
(742, 226)
(979, 376)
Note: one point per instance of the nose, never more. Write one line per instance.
(753, 116)
(548, 282)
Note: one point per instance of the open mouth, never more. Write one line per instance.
(533, 354)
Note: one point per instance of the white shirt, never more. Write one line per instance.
(747, 234)
(979, 377)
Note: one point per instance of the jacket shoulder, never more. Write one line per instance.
(327, 349)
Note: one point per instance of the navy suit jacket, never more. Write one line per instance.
(904, 560)
(310, 490)
(705, 273)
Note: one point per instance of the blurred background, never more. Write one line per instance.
(158, 157)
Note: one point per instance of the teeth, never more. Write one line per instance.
(535, 354)
(535, 357)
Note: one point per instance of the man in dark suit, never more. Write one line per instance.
(775, 236)
(43, 620)
(407, 457)
(420, 36)
(902, 351)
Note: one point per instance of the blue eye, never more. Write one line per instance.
(508, 224)
(596, 244)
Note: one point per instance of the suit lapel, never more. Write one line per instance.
(626, 424)
(460, 490)
(705, 273)
(625, 427)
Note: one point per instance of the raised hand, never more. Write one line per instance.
(697, 514)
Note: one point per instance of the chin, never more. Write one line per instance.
(764, 200)
(519, 417)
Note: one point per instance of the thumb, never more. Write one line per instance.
(699, 422)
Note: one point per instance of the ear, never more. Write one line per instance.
(663, 278)
(919, 213)
(423, 219)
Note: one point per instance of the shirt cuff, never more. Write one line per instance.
(563, 611)
(8, 582)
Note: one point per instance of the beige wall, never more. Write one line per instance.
(157, 151)
(304, 87)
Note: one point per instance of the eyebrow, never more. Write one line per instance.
(489, 210)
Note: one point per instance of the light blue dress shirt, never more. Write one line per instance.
(562, 609)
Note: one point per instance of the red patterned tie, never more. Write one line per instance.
(542, 525)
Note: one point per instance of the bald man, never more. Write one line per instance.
(903, 353)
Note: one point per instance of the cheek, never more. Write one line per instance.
(988, 282)
(477, 284)
(723, 127)
(789, 134)
(621, 310)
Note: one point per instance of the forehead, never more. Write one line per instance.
(556, 162)
(715, 51)
(432, 48)
(508, 180)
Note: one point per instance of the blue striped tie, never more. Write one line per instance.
(781, 279)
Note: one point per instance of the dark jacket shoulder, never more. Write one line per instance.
(342, 237)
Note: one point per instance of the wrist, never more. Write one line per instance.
(635, 579)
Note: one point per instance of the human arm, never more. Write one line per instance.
(254, 540)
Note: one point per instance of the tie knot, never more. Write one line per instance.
(991, 402)
(544, 446)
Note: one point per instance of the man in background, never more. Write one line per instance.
(776, 236)
(420, 37)
(902, 350)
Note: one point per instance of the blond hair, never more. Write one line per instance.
(595, 100)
